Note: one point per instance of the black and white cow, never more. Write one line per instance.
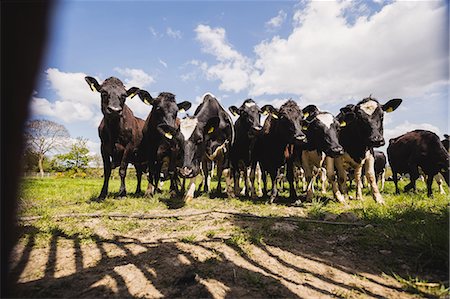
(247, 127)
(120, 132)
(380, 167)
(162, 142)
(274, 147)
(419, 148)
(321, 148)
(209, 134)
(361, 131)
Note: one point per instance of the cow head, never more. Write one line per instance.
(170, 151)
(209, 133)
(164, 113)
(113, 94)
(367, 116)
(321, 129)
(249, 114)
(288, 119)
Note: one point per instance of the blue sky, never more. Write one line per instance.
(324, 53)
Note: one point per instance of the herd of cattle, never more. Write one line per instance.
(291, 142)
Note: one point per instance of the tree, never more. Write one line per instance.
(78, 156)
(43, 136)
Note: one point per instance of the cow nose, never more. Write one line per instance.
(337, 150)
(378, 140)
(258, 128)
(300, 137)
(112, 109)
(185, 171)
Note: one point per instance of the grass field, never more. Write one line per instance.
(406, 239)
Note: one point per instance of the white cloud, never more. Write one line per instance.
(173, 33)
(276, 21)
(233, 69)
(408, 127)
(399, 51)
(135, 77)
(75, 102)
(164, 64)
(153, 31)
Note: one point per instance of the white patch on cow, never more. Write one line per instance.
(249, 104)
(187, 126)
(369, 107)
(326, 118)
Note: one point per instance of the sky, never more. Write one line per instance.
(327, 53)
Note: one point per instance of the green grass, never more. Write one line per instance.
(411, 225)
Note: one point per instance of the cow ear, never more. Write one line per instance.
(145, 97)
(184, 106)
(310, 111)
(391, 105)
(93, 84)
(346, 116)
(132, 92)
(234, 110)
(212, 125)
(446, 136)
(269, 109)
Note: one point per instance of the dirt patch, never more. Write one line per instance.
(210, 255)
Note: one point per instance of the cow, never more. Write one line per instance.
(362, 131)
(321, 148)
(162, 141)
(446, 142)
(120, 132)
(274, 146)
(246, 127)
(209, 135)
(418, 148)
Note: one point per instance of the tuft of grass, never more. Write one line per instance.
(190, 239)
(422, 287)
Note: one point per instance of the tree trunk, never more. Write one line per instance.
(41, 167)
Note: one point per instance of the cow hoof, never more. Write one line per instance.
(188, 199)
(148, 194)
(99, 199)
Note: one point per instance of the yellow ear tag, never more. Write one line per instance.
(211, 130)
(274, 116)
(132, 95)
(265, 112)
(304, 128)
(305, 115)
(93, 87)
(390, 109)
(343, 123)
(235, 114)
(168, 136)
(181, 110)
(146, 102)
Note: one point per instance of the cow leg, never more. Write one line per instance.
(341, 175)
(323, 178)
(413, 175)
(276, 178)
(264, 179)
(290, 178)
(252, 181)
(395, 178)
(258, 176)
(150, 188)
(106, 174)
(370, 175)
(236, 177)
(228, 179)
(123, 174)
(247, 181)
(190, 192)
(383, 179)
(358, 182)
(429, 185)
(329, 162)
(439, 180)
(139, 179)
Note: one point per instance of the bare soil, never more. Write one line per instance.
(205, 256)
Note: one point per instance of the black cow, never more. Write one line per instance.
(247, 126)
(419, 148)
(274, 147)
(162, 141)
(322, 146)
(446, 142)
(209, 134)
(361, 131)
(120, 132)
